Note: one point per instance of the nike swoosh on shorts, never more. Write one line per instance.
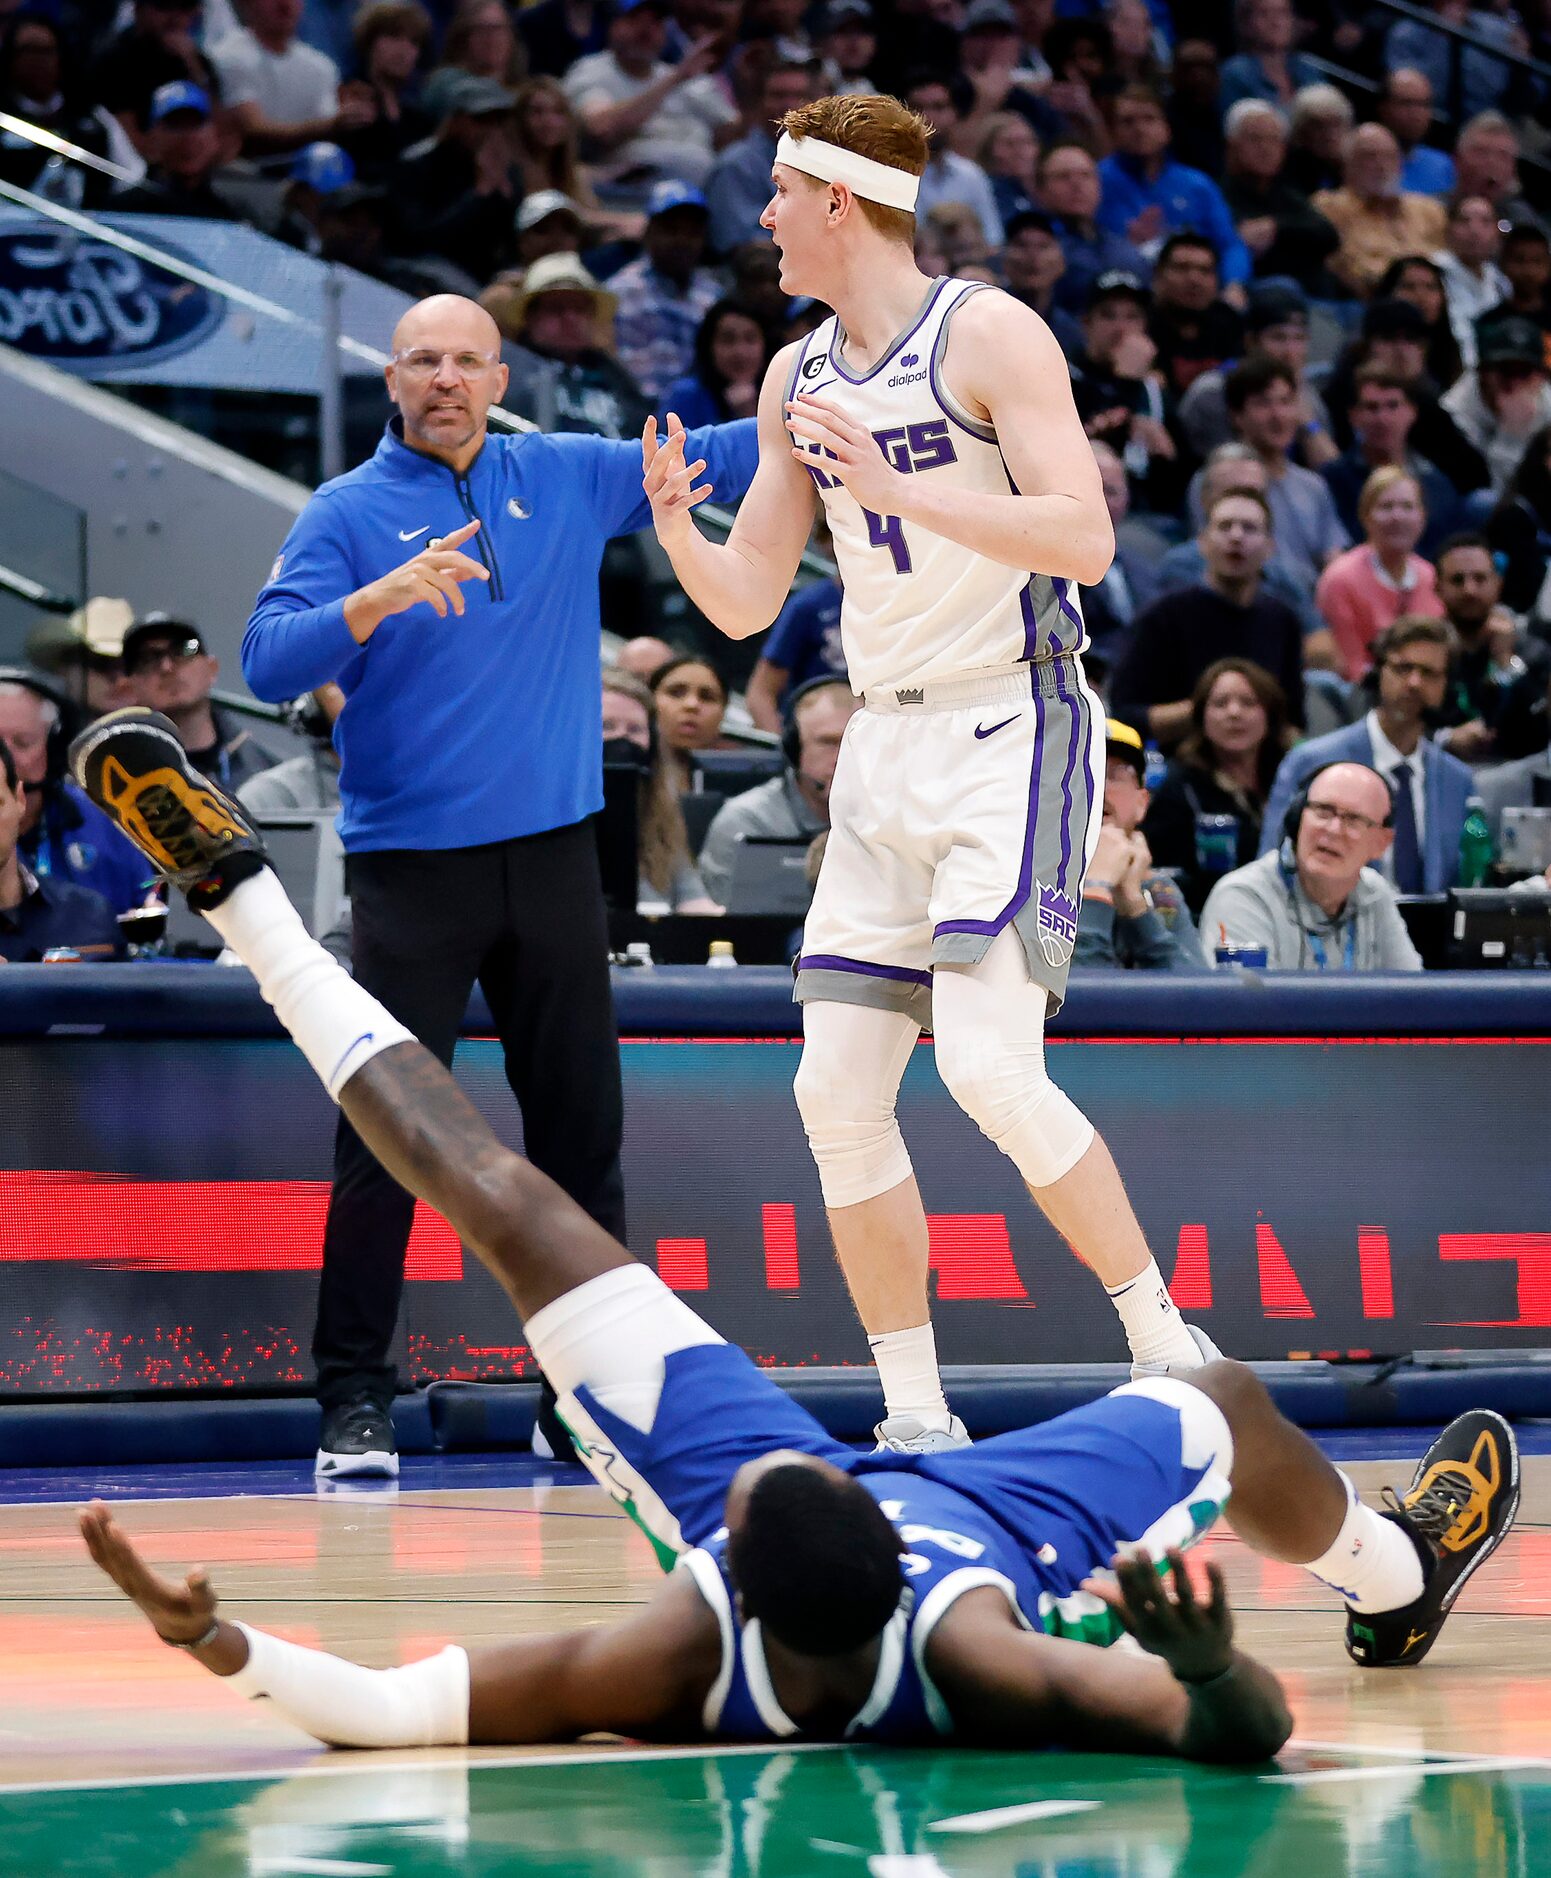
(982, 731)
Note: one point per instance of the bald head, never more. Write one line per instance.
(445, 374)
(1342, 831)
(448, 321)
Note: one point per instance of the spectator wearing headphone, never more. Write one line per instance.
(62, 835)
(795, 803)
(39, 915)
(1316, 902)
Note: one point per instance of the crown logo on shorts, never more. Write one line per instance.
(910, 358)
(914, 694)
(1055, 919)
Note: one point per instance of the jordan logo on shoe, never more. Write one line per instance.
(981, 731)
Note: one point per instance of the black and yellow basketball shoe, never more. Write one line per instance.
(133, 766)
(1456, 1511)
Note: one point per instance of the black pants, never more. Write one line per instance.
(526, 919)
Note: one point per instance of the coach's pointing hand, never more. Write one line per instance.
(434, 574)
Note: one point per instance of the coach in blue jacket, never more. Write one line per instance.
(1411, 674)
(449, 586)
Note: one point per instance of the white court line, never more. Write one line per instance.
(317, 1868)
(313, 1770)
(1419, 1770)
(999, 1816)
(1417, 1756)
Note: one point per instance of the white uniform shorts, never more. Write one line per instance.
(958, 808)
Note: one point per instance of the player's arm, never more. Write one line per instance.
(1057, 522)
(646, 1675)
(1194, 1696)
(741, 584)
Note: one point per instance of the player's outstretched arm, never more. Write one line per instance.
(1002, 361)
(742, 584)
(645, 1676)
(1195, 1696)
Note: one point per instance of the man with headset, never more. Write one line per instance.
(62, 836)
(795, 804)
(1317, 903)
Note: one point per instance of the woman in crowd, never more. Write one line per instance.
(545, 134)
(1420, 281)
(691, 699)
(1205, 818)
(1370, 586)
(1009, 154)
(732, 350)
(390, 39)
(668, 876)
(481, 40)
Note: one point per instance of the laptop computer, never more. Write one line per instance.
(769, 875)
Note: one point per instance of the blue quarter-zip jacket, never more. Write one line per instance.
(460, 731)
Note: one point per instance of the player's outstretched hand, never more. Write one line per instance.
(177, 1613)
(1194, 1639)
(668, 480)
(851, 452)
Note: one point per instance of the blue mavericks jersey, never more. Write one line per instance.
(953, 1548)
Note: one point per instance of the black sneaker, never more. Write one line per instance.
(133, 766)
(357, 1440)
(1459, 1506)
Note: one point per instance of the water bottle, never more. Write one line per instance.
(721, 958)
(1475, 845)
(60, 182)
(1157, 766)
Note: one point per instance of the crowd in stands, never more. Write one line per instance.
(1297, 255)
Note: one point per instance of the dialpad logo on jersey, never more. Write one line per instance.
(904, 376)
(1055, 920)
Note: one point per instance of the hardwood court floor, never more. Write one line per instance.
(121, 1757)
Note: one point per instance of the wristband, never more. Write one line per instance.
(1210, 1682)
(197, 1643)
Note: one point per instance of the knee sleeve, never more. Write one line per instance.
(852, 1060)
(421, 1705)
(990, 1028)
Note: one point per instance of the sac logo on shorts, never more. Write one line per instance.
(1055, 920)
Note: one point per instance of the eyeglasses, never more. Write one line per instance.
(425, 365)
(164, 652)
(1327, 815)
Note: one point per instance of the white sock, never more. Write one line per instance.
(1154, 1328)
(907, 1368)
(1372, 1563)
(421, 1705)
(337, 1025)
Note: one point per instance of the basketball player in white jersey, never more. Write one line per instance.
(935, 419)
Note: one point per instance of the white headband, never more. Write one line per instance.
(878, 182)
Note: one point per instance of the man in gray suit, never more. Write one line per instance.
(1411, 661)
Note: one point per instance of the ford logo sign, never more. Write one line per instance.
(87, 307)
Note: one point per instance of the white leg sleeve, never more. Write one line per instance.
(853, 1057)
(338, 1025)
(421, 1705)
(989, 1021)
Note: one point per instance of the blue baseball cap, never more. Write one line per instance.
(181, 95)
(674, 195)
(324, 167)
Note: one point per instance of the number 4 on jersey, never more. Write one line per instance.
(887, 531)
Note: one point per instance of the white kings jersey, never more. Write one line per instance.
(917, 606)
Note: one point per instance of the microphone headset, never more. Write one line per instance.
(57, 748)
(791, 730)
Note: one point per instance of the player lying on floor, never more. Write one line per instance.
(815, 1592)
